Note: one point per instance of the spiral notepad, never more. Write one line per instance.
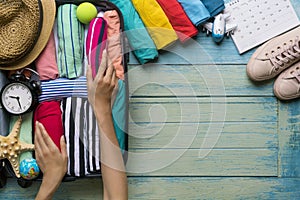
(259, 21)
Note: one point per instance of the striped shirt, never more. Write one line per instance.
(82, 133)
(71, 37)
(61, 88)
(82, 137)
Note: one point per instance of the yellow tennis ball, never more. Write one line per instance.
(86, 12)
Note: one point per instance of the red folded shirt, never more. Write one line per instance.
(178, 19)
(49, 114)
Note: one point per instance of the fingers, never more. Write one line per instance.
(103, 65)
(106, 69)
(63, 147)
(89, 74)
(110, 75)
(47, 140)
(110, 71)
(114, 79)
(38, 139)
(89, 78)
(43, 139)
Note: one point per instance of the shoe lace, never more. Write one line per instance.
(285, 54)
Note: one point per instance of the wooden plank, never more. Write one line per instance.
(194, 80)
(170, 188)
(296, 5)
(289, 139)
(214, 188)
(191, 110)
(232, 135)
(217, 162)
(200, 50)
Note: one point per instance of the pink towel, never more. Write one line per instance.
(96, 43)
(114, 41)
(46, 64)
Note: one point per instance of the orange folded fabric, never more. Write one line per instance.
(114, 41)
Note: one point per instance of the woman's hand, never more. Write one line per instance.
(51, 161)
(100, 94)
(101, 88)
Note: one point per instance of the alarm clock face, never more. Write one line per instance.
(16, 98)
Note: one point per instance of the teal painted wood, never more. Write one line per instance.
(158, 188)
(201, 50)
(296, 4)
(216, 188)
(289, 139)
(179, 110)
(194, 80)
(217, 162)
(259, 134)
(234, 135)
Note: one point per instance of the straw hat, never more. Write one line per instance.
(25, 27)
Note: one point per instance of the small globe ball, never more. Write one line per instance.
(29, 169)
(86, 12)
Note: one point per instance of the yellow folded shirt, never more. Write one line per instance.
(156, 22)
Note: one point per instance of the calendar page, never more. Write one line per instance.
(259, 20)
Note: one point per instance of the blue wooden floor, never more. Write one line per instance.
(200, 129)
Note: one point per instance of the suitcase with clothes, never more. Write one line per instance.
(63, 83)
(105, 31)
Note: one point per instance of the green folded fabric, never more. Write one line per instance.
(119, 115)
(70, 33)
(25, 132)
(140, 41)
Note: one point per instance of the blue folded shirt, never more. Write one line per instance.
(214, 7)
(195, 10)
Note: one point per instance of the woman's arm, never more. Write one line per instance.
(51, 161)
(112, 165)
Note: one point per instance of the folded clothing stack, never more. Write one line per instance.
(64, 93)
(82, 133)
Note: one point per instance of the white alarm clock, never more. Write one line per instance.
(20, 95)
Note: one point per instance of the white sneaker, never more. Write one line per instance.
(274, 56)
(287, 85)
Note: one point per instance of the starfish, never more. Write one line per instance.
(11, 147)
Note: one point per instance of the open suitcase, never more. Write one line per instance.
(77, 118)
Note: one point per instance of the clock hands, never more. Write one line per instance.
(18, 99)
